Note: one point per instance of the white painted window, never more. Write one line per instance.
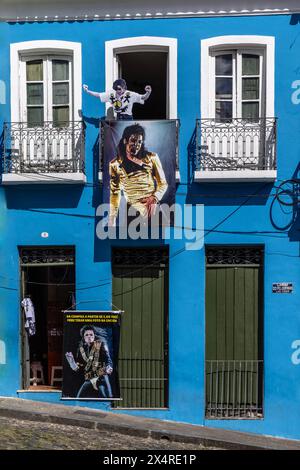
(46, 90)
(238, 84)
(46, 74)
(46, 94)
(237, 103)
(236, 71)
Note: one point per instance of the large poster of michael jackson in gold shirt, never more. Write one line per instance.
(139, 174)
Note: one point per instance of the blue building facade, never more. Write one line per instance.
(248, 221)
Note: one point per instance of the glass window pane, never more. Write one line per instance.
(223, 110)
(250, 89)
(250, 64)
(250, 111)
(224, 88)
(60, 70)
(60, 93)
(35, 93)
(35, 117)
(61, 116)
(224, 64)
(34, 70)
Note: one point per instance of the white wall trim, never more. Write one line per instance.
(34, 10)
(154, 43)
(19, 48)
(266, 42)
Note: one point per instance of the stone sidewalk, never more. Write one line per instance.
(137, 426)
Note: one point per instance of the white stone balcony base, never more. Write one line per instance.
(235, 176)
(45, 178)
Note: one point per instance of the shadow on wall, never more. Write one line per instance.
(102, 248)
(43, 196)
(46, 196)
(222, 194)
(295, 19)
(229, 194)
(96, 151)
(285, 207)
(294, 232)
(191, 151)
(95, 122)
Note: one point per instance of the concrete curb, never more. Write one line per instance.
(137, 426)
(123, 429)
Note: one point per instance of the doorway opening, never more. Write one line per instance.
(146, 68)
(48, 281)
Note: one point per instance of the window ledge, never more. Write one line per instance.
(235, 176)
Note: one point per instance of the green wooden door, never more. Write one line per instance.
(232, 313)
(141, 292)
(233, 341)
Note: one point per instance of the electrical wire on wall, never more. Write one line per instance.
(282, 191)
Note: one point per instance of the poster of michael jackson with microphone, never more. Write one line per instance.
(90, 362)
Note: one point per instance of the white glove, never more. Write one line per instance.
(71, 361)
(94, 382)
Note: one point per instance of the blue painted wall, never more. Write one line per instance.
(68, 214)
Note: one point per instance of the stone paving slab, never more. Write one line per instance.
(138, 426)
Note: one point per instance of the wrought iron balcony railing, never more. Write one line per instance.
(238, 144)
(47, 148)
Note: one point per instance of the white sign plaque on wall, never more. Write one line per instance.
(282, 287)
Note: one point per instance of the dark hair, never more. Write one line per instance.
(86, 328)
(135, 129)
(120, 82)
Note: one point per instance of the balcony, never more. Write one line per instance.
(152, 139)
(236, 150)
(44, 154)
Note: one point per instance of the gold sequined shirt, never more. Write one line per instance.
(137, 181)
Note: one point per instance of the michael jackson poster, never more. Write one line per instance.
(90, 350)
(139, 169)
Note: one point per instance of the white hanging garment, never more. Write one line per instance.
(29, 315)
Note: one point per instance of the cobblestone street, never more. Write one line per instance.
(28, 435)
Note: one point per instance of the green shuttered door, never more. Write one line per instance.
(140, 287)
(232, 313)
(233, 337)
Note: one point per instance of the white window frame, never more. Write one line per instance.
(237, 79)
(48, 104)
(140, 44)
(262, 74)
(50, 48)
(213, 99)
(245, 44)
